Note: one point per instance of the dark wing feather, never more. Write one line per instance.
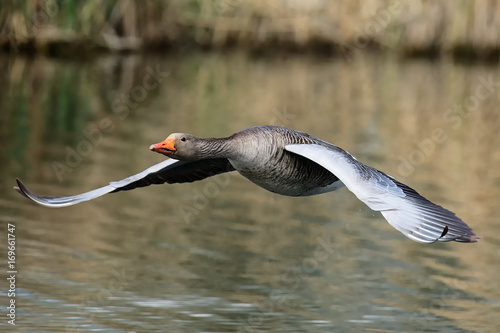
(180, 172)
(169, 171)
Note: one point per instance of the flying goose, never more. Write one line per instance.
(291, 163)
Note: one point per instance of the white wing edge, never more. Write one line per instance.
(64, 201)
(408, 212)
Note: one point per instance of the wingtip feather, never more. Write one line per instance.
(468, 238)
(20, 188)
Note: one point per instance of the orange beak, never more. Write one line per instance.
(165, 147)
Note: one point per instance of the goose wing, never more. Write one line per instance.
(406, 210)
(169, 171)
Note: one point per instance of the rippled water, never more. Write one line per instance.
(223, 255)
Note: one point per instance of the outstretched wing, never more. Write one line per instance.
(406, 210)
(169, 171)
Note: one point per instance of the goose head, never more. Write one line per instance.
(180, 146)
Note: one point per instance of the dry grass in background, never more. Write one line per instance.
(461, 27)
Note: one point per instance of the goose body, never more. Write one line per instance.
(292, 163)
(274, 168)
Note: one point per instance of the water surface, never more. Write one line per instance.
(223, 255)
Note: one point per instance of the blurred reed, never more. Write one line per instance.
(461, 27)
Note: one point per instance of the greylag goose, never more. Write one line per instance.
(291, 163)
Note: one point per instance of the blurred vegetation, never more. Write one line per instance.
(428, 27)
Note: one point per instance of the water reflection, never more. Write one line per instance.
(247, 259)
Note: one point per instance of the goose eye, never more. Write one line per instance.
(183, 139)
